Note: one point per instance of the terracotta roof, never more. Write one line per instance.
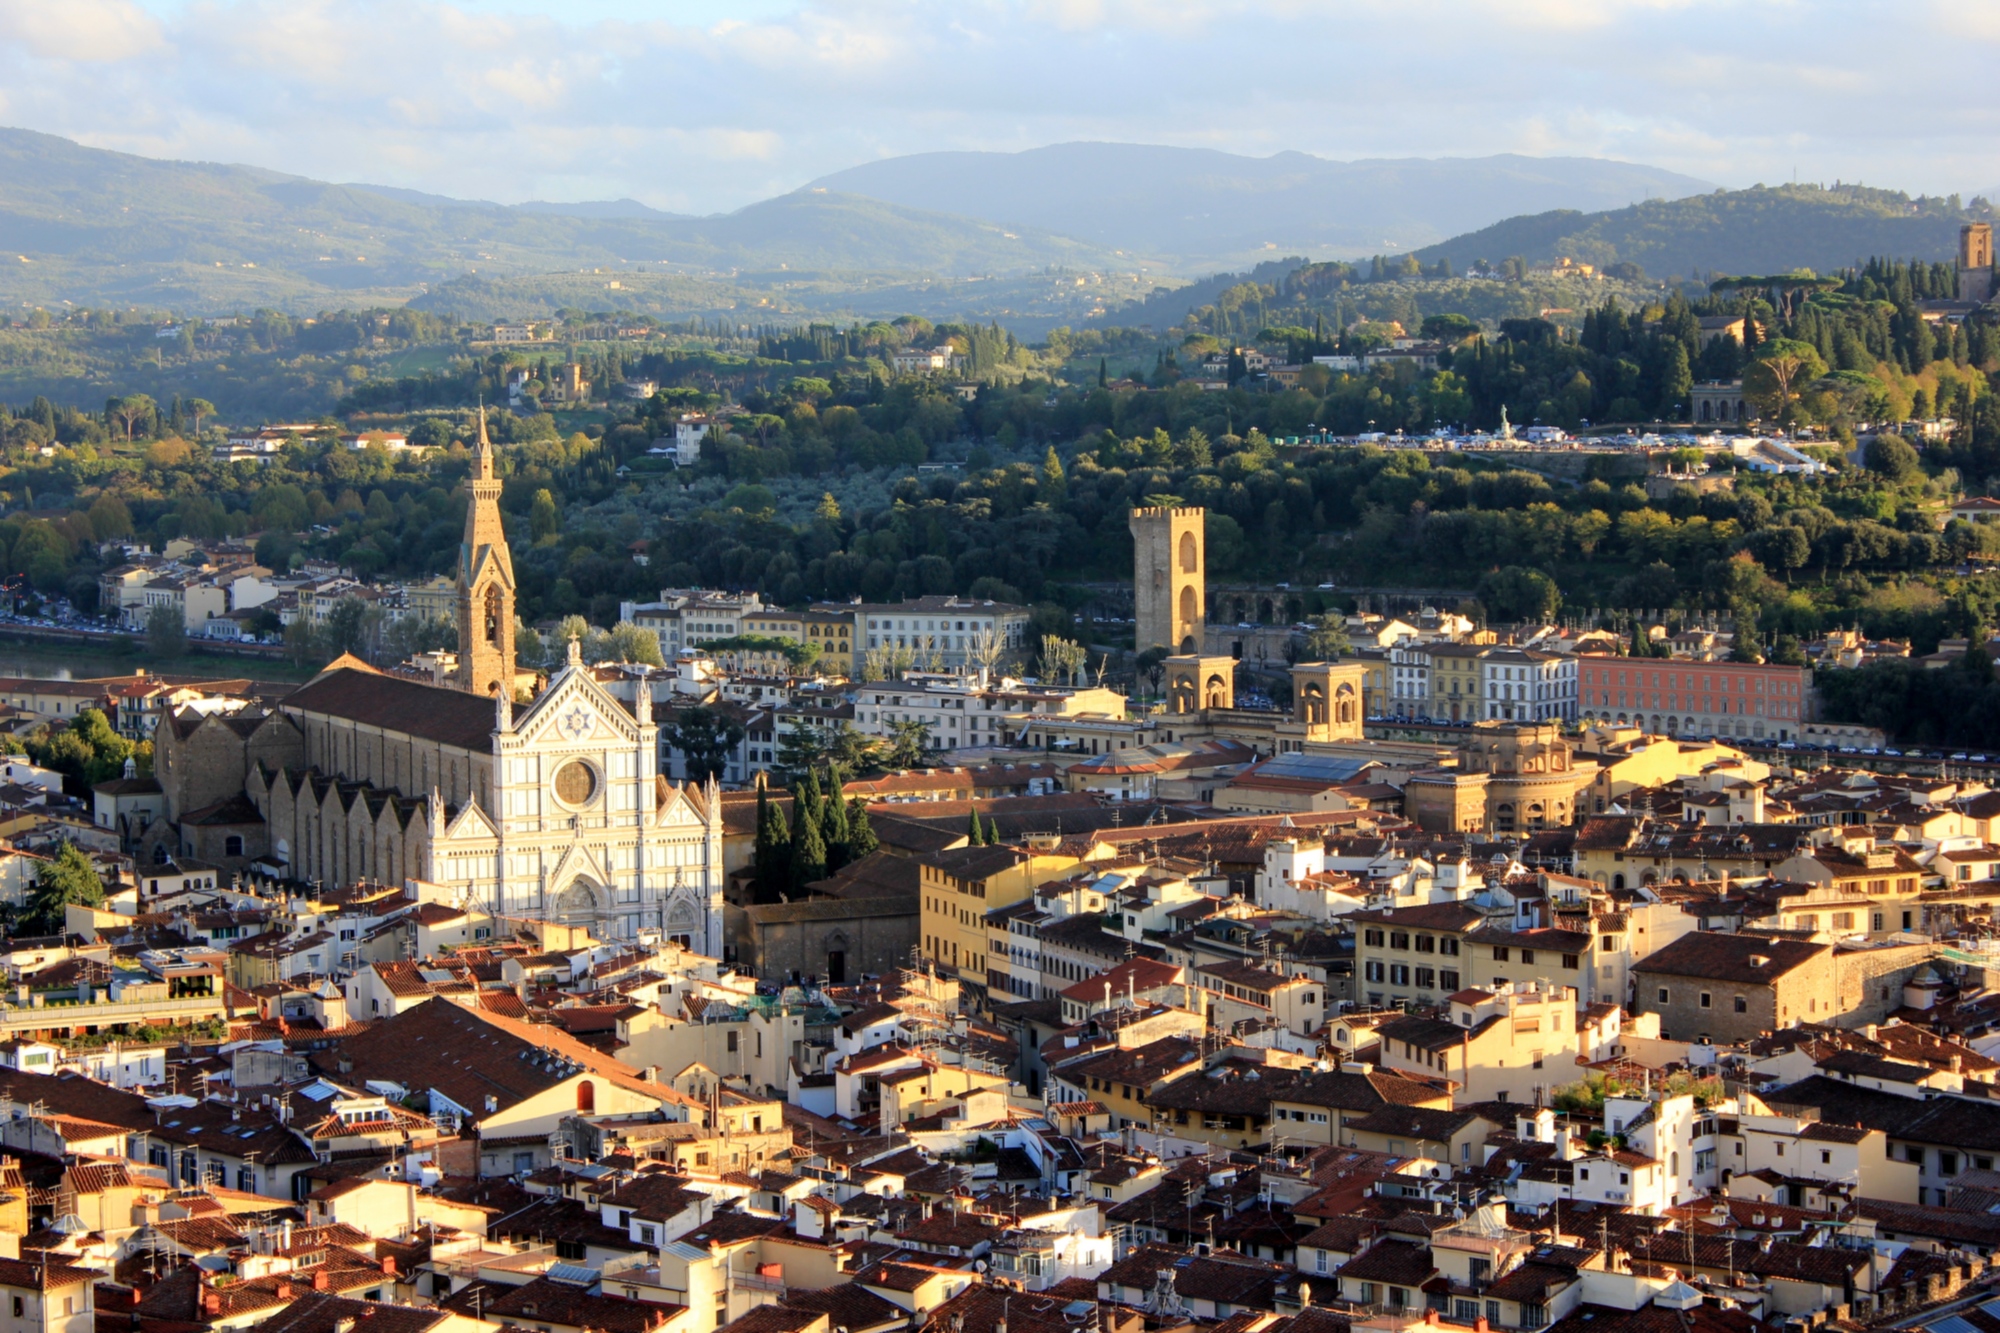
(448, 716)
(1709, 956)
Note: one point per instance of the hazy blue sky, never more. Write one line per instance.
(702, 105)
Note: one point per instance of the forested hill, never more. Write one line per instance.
(1767, 229)
(92, 227)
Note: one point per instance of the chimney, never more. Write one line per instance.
(284, 1291)
(211, 1303)
(389, 1264)
(320, 1280)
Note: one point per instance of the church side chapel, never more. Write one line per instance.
(553, 808)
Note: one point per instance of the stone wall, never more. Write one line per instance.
(872, 935)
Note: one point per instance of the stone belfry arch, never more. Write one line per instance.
(1169, 589)
(485, 584)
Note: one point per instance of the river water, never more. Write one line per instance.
(64, 662)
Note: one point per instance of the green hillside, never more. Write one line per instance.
(91, 227)
(1761, 230)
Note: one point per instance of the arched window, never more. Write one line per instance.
(1189, 605)
(586, 1097)
(1190, 559)
(493, 613)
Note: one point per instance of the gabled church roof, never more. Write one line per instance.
(364, 695)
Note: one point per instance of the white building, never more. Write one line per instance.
(952, 628)
(1520, 685)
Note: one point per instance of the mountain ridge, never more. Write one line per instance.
(1204, 208)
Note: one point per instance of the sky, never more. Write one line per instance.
(707, 105)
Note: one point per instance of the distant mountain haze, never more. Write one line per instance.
(1199, 208)
(92, 227)
(1009, 236)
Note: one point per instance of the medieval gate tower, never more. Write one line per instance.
(1169, 553)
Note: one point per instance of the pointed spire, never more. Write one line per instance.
(484, 453)
(503, 710)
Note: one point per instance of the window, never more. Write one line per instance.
(1825, 1157)
(1399, 939)
(1663, 995)
(1372, 938)
(1426, 978)
(1373, 970)
(1527, 955)
(1426, 944)
(1446, 944)
(1399, 974)
(1448, 979)
(1499, 953)
(1569, 960)
(1947, 1163)
(1742, 1005)
(1912, 1153)
(1707, 1001)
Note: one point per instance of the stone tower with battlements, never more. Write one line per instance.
(1169, 557)
(485, 584)
(1975, 262)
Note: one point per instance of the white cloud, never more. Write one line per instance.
(539, 98)
(92, 31)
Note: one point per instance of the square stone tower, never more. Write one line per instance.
(1975, 262)
(1169, 592)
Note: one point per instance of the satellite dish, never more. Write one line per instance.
(979, 1266)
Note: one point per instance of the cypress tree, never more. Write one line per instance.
(974, 835)
(774, 850)
(860, 833)
(808, 854)
(833, 823)
(806, 799)
(992, 832)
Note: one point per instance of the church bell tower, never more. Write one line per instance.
(485, 584)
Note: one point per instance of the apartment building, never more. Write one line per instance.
(691, 617)
(1707, 986)
(1457, 687)
(950, 629)
(1409, 679)
(961, 886)
(1413, 955)
(1509, 1043)
(1521, 685)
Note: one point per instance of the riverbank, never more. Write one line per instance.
(25, 654)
